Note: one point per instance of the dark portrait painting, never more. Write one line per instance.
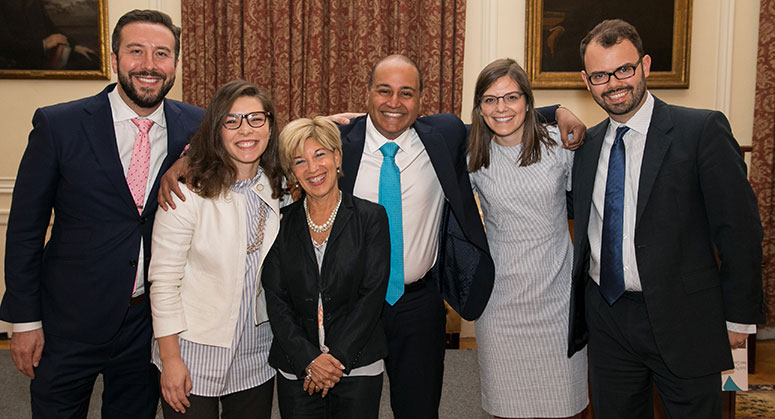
(556, 27)
(53, 39)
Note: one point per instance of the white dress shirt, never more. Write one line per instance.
(422, 198)
(634, 145)
(126, 131)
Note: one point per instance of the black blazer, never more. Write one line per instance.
(464, 270)
(352, 284)
(79, 285)
(693, 196)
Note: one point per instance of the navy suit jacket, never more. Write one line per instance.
(464, 269)
(693, 196)
(79, 284)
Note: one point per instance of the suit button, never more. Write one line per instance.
(133, 263)
(142, 220)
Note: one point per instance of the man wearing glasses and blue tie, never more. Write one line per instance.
(657, 188)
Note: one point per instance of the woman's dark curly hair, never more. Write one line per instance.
(211, 169)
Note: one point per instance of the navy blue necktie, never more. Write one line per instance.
(611, 267)
(390, 198)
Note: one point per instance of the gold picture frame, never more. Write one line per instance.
(555, 29)
(59, 39)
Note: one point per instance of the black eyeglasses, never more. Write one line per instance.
(255, 119)
(624, 72)
(489, 101)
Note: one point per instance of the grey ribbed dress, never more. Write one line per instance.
(522, 334)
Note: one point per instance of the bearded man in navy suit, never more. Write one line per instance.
(78, 302)
(658, 191)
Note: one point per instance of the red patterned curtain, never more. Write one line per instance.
(315, 56)
(762, 172)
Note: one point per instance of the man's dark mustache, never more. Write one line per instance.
(617, 90)
(148, 74)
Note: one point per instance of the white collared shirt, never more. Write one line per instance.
(126, 131)
(422, 198)
(634, 144)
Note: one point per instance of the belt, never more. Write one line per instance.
(417, 285)
(137, 300)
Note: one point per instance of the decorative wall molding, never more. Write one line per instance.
(489, 46)
(6, 185)
(726, 41)
(6, 188)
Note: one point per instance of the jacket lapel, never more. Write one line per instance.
(442, 163)
(297, 223)
(658, 141)
(584, 174)
(101, 134)
(352, 150)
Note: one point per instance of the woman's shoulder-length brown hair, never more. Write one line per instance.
(211, 169)
(534, 134)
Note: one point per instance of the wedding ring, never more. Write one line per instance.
(308, 378)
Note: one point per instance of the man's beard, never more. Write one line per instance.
(625, 107)
(148, 100)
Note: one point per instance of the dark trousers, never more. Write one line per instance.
(415, 330)
(624, 364)
(253, 403)
(64, 380)
(351, 398)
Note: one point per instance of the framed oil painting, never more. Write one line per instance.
(555, 29)
(54, 39)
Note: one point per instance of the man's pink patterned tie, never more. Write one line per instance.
(137, 175)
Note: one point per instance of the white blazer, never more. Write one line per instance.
(197, 266)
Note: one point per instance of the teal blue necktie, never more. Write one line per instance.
(390, 198)
(611, 266)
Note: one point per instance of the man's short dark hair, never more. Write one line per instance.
(400, 57)
(609, 33)
(146, 16)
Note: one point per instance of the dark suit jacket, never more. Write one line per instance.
(693, 195)
(352, 283)
(80, 283)
(464, 269)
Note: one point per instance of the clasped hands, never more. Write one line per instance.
(322, 374)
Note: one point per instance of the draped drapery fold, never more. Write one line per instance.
(315, 56)
(762, 173)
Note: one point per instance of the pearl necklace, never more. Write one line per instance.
(324, 227)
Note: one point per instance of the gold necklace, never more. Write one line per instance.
(259, 239)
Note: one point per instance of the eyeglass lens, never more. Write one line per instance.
(255, 120)
(508, 98)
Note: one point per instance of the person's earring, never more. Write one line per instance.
(527, 108)
(337, 171)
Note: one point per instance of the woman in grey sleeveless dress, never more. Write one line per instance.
(521, 174)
